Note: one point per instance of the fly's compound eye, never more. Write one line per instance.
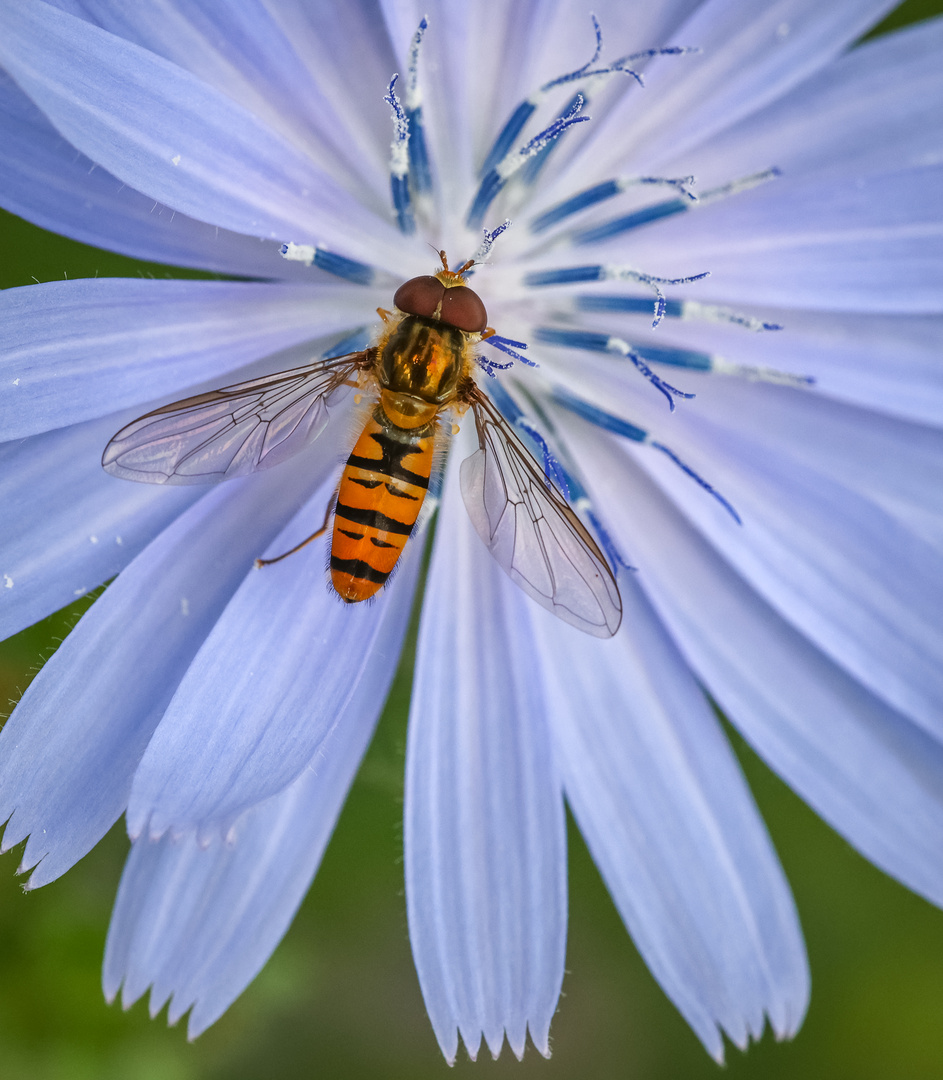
(456, 306)
(420, 296)
(463, 309)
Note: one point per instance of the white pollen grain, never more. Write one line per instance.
(7, 581)
(175, 160)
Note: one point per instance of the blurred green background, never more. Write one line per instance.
(340, 996)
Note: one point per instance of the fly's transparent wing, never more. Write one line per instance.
(532, 532)
(233, 431)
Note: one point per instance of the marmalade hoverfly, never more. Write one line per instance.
(421, 367)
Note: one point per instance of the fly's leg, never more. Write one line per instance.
(304, 543)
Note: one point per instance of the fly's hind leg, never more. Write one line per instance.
(304, 543)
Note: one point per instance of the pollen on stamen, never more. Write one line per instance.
(329, 261)
(399, 162)
(692, 359)
(511, 348)
(420, 173)
(645, 216)
(674, 309)
(594, 341)
(608, 189)
(565, 476)
(554, 472)
(487, 242)
(498, 176)
(525, 109)
(569, 275)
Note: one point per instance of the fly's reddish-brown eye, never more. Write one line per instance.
(463, 309)
(419, 296)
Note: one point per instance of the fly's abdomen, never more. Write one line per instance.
(380, 497)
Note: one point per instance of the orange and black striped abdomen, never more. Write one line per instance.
(379, 499)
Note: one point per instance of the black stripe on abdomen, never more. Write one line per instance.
(391, 463)
(359, 569)
(373, 519)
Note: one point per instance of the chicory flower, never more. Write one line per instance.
(776, 534)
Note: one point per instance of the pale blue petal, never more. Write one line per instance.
(241, 51)
(852, 578)
(70, 748)
(266, 688)
(484, 827)
(871, 773)
(197, 922)
(175, 138)
(879, 103)
(44, 179)
(846, 568)
(348, 55)
(72, 350)
(670, 822)
(66, 525)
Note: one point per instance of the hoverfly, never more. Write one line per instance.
(421, 368)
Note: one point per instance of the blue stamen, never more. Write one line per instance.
(506, 404)
(599, 272)
(632, 221)
(596, 416)
(566, 275)
(576, 493)
(418, 153)
(647, 54)
(487, 190)
(497, 177)
(525, 110)
(683, 358)
(399, 190)
(354, 342)
(399, 162)
(672, 206)
(489, 238)
(608, 422)
(419, 170)
(584, 199)
(587, 340)
(591, 341)
(534, 167)
(700, 480)
(489, 367)
(553, 470)
(506, 137)
(635, 304)
(674, 309)
(506, 345)
(615, 557)
(329, 261)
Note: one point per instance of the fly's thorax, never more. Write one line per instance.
(422, 359)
